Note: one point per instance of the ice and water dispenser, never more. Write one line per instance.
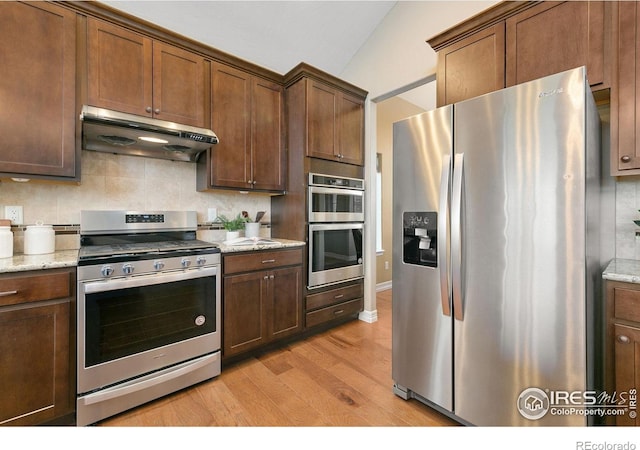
(420, 237)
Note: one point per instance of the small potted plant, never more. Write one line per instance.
(233, 226)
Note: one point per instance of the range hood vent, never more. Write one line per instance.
(109, 131)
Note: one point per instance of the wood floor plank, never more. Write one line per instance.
(338, 378)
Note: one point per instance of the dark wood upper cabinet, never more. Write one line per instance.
(38, 90)
(552, 37)
(335, 124)
(247, 116)
(132, 73)
(472, 66)
(625, 120)
(514, 42)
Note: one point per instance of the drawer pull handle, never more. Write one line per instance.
(623, 339)
(268, 261)
(8, 293)
(338, 296)
(338, 312)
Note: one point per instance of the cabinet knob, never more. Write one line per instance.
(254, 182)
(623, 339)
(156, 111)
(625, 159)
(148, 109)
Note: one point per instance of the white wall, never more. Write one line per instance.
(395, 56)
(397, 53)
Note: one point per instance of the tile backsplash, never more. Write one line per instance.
(627, 206)
(124, 182)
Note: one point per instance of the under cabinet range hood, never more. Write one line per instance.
(104, 130)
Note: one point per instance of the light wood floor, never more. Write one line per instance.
(339, 378)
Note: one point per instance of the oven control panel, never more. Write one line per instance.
(148, 266)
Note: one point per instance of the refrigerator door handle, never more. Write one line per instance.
(443, 235)
(456, 235)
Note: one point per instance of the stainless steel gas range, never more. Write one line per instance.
(149, 314)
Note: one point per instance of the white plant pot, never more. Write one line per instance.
(252, 229)
(232, 235)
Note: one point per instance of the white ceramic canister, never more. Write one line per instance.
(39, 239)
(6, 242)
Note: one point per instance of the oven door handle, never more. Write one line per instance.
(153, 380)
(335, 191)
(147, 280)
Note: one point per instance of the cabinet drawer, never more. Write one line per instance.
(334, 312)
(261, 260)
(30, 287)
(322, 299)
(627, 304)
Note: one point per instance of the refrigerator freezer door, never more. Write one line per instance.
(422, 324)
(523, 249)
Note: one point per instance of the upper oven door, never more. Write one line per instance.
(134, 325)
(335, 253)
(328, 204)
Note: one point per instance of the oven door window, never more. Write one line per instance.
(336, 248)
(336, 201)
(131, 320)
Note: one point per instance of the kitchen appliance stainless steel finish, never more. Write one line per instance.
(496, 252)
(335, 199)
(335, 253)
(109, 131)
(148, 309)
(336, 225)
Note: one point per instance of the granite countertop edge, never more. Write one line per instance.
(624, 270)
(69, 258)
(278, 244)
(22, 263)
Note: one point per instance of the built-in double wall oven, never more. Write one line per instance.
(336, 226)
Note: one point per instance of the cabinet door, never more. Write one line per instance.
(179, 85)
(231, 120)
(471, 67)
(285, 312)
(556, 36)
(351, 129)
(267, 148)
(625, 122)
(244, 312)
(37, 89)
(322, 105)
(119, 67)
(627, 366)
(34, 363)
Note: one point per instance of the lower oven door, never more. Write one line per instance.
(132, 326)
(335, 253)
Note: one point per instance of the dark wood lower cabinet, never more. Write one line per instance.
(623, 349)
(36, 370)
(261, 306)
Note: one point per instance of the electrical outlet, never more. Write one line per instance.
(13, 213)
(212, 214)
(386, 265)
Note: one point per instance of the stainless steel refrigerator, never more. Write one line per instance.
(495, 253)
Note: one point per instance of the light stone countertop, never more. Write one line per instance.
(277, 244)
(69, 258)
(625, 270)
(21, 263)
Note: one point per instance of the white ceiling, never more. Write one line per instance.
(274, 34)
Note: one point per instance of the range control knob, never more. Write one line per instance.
(201, 260)
(106, 271)
(158, 265)
(186, 262)
(127, 269)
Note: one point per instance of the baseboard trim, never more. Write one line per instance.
(368, 316)
(386, 285)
